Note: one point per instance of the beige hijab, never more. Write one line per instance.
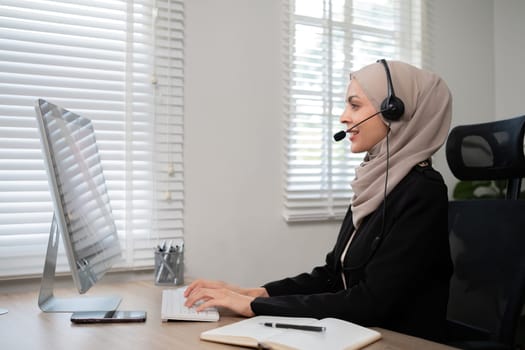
(419, 133)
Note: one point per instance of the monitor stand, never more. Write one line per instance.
(3, 311)
(46, 299)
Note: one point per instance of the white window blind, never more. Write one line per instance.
(119, 63)
(325, 41)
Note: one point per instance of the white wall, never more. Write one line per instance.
(462, 51)
(234, 148)
(478, 49)
(509, 52)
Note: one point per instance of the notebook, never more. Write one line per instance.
(173, 308)
(336, 335)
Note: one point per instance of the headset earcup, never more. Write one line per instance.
(393, 108)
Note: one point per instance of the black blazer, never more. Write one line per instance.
(399, 280)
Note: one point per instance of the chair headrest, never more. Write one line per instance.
(487, 151)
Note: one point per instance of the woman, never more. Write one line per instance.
(390, 266)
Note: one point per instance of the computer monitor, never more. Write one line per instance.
(82, 210)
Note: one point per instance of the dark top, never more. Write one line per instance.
(399, 282)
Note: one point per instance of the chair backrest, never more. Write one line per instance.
(489, 151)
(487, 236)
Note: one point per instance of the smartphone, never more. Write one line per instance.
(108, 316)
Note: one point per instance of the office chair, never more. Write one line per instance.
(487, 237)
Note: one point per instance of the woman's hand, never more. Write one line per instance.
(207, 284)
(218, 293)
(201, 283)
(223, 297)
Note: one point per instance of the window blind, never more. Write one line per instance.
(324, 41)
(119, 63)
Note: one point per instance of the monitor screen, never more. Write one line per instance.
(82, 210)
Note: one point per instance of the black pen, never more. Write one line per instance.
(302, 327)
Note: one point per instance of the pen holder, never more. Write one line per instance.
(169, 267)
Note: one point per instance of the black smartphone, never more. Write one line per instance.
(108, 316)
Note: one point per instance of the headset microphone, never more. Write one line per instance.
(341, 134)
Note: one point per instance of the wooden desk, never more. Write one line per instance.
(26, 327)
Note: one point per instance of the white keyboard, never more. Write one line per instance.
(173, 308)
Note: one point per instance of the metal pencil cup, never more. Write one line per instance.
(169, 267)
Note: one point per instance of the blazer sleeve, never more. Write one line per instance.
(403, 263)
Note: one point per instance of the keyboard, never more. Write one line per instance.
(173, 308)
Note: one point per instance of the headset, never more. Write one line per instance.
(392, 106)
(392, 109)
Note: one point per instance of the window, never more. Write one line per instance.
(119, 63)
(327, 39)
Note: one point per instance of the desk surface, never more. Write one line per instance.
(26, 327)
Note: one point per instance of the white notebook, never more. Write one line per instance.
(173, 308)
(336, 335)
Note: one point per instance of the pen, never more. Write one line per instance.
(302, 327)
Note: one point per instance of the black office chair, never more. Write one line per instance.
(487, 237)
